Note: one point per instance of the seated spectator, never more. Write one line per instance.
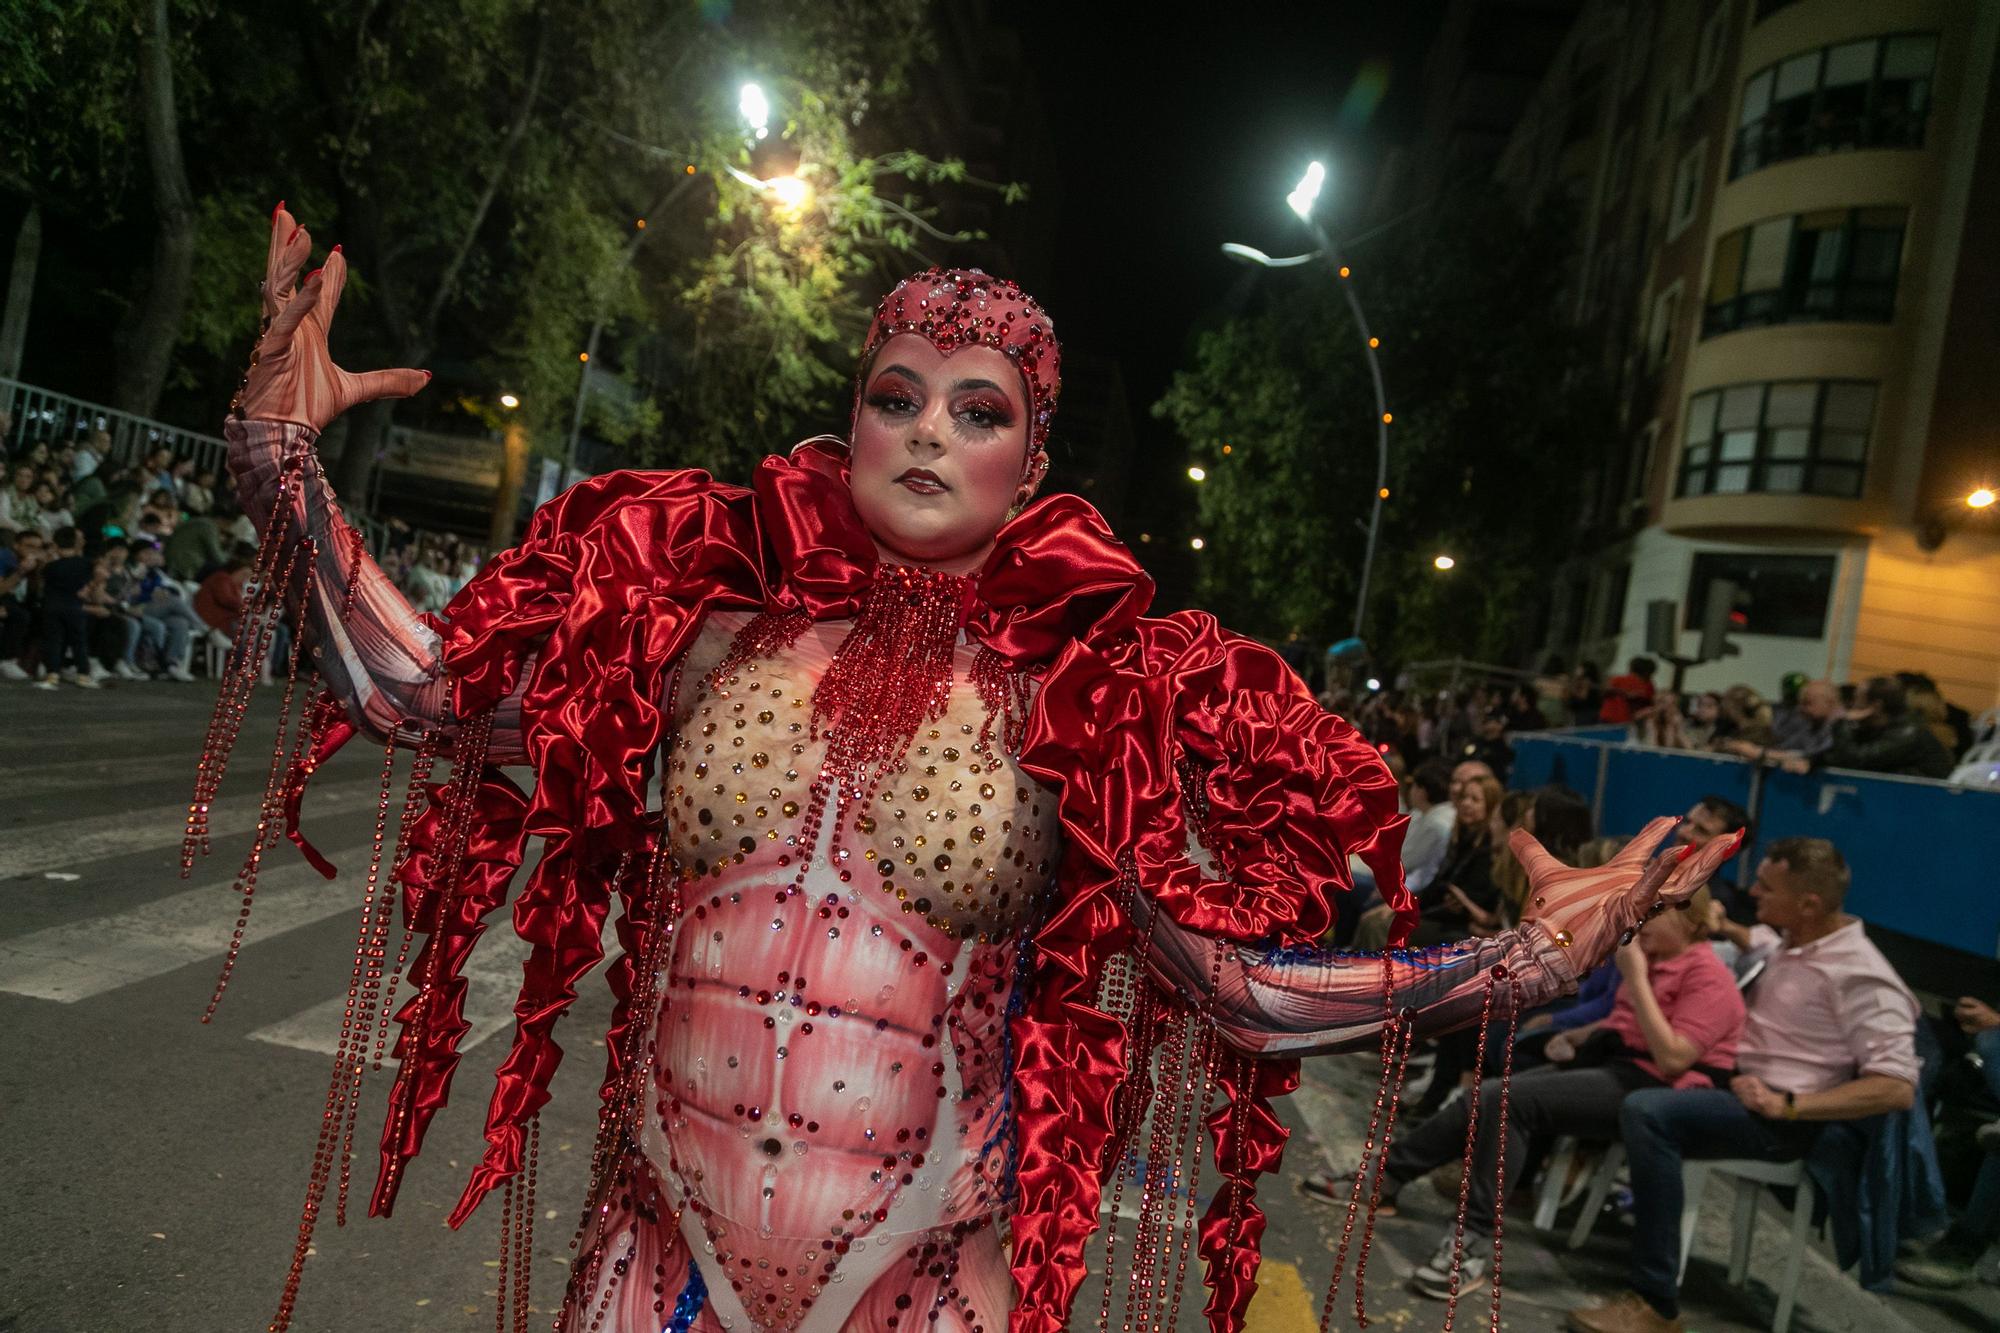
(54, 513)
(1949, 1260)
(163, 505)
(162, 602)
(1626, 695)
(1804, 729)
(195, 550)
(1431, 820)
(89, 455)
(1710, 818)
(1561, 822)
(1830, 1035)
(1879, 735)
(1742, 716)
(220, 598)
(1950, 724)
(1524, 711)
(120, 633)
(158, 472)
(1675, 1024)
(1661, 725)
(1467, 867)
(1704, 715)
(22, 556)
(18, 507)
(198, 491)
(1490, 746)
(1583, 694)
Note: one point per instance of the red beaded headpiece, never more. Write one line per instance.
(965, 307)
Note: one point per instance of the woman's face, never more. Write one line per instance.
(1706, 708)
(1470, 805)
(939, 453)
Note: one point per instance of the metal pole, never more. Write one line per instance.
(1332, 252)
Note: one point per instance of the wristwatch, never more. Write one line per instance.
(1791, 1106)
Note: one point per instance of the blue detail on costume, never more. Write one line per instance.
(1002, 1135)
(1434, 958)
(693, 1296)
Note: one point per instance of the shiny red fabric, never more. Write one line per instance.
(1290, 791)
(608, 589)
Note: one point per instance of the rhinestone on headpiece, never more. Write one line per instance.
(953, 308)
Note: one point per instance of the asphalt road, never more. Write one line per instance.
(152, 1168)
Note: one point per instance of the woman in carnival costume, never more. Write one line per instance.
(950, 886)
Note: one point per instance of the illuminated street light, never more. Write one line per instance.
(1444, 562)
(1197, 474)
(1307, 190)
(1374, 684)
(1197, 543)
(509, 401)
(1980, 498)
(790, 192)
(1301, 199)
(756, 108)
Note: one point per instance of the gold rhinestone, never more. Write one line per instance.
(920, 793)
(760, 760)
(766, 715)
(986, 790)
(950, 753)
(790, 808)
(865, 824)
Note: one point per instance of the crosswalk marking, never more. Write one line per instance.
(56, 846)
(492, 981)
(73, 962)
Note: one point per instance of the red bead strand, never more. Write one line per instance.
(1471, 1141)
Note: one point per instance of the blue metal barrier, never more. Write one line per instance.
(1924, 854)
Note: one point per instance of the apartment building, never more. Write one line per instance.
(1789, 238)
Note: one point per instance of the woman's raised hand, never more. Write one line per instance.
(292, 375)
(1588, 911)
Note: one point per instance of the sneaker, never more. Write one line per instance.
(1433, 1278)
(80, 681)
(97, 671)
(43, 683)
(178, 671)
(12, 671)
(126, 671)
(1936, 1270)
(1628, 1313)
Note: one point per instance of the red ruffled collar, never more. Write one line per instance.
(1056, 575)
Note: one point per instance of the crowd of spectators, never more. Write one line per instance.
(115, 571)
(1898, 724)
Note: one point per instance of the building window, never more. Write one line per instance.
(1642, 464)
(1839, 264)
(1660, 328)
(1790, 437)
(1687, 190)
(1781, 595)
(1874, 93)
(1708, 54)
(1611, 610)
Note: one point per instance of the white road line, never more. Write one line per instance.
(74, 842)
(31, 777)
(492, 984)
(73, 962)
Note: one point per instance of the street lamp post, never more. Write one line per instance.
(1301, 200)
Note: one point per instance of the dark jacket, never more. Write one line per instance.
(1903, 745)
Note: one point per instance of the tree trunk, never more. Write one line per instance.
(20, 292)
(153, 329)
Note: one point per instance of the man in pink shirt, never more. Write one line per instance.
(1675, 1024)
(1831, 1035)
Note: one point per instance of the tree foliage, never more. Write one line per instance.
(1498, 410)
(486, 165)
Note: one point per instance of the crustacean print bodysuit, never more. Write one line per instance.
(827, 1136)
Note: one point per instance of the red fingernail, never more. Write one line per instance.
(1686, 852)
(279, 209)
(336, 249)
(295, 234)
(315, 273)
(427, 377)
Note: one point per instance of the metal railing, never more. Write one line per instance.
(42, 416)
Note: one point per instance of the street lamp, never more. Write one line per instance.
(755, 108)
(1444, 562)
(1197, 474)
(1980, 498)
(1302, 199)
(509, 401)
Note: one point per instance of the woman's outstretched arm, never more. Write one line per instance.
(377, 654)
(1305, 1002)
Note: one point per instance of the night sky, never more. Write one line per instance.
(1174, 139)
